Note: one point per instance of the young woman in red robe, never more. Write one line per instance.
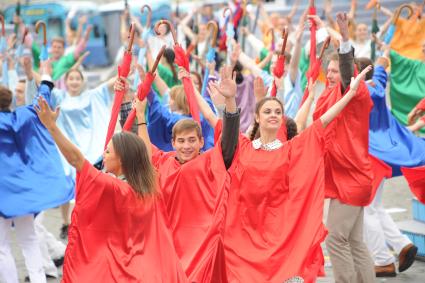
(117, 231)
(274, 221)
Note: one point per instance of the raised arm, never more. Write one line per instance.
(205, 109)
(48, 117)
(82, 43)
(184, 24)
(295, 60)
(142, 125)
(418, 125)
(302, 114)
(247, 62)
(230, 134)
(346, 52)
(332, 112)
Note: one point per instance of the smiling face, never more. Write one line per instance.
(20, 93)
(111, 160)
(362, 33)
(332, 73)
(74, 82)
(187, 145)
(57, 49)
(269, 116)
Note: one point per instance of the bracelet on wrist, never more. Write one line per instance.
(143, 123)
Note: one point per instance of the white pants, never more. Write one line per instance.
(27, 240)
(50, 247)
(380, 232)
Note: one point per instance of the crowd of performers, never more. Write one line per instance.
(224, 155)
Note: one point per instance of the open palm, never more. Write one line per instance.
(227, 85)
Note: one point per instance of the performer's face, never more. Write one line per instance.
(282, 23)
(74, 82)
(20, 93)
(196, 82)
(332, 74)
(270, 116)
(57, 50)
(187, 145)
(362, 33)
(111, 160)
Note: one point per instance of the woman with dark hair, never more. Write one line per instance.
(275, 209)
(117, 230)
(167, 70)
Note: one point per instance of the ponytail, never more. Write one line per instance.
(254, 131)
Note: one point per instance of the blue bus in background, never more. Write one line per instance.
(54, 14)
(111, 13)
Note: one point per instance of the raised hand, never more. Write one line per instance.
(342, 21)
(311, 88)
(355, 82)
(121, 84)
(414, 115)
(141, 72)
(182, 73)
(227, 85)
(140, 107)
(317, 20)
(45, 114)
(260, 89)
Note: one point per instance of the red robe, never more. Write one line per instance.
(195, 194)
(349, 172)
(116, 236)
(274, 220)
(416, 179)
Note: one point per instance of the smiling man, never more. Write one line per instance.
(194, 185)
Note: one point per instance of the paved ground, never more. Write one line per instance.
(397, 198)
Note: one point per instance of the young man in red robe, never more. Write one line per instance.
(194, 186)
(348, 168)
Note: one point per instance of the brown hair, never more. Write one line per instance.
(60, 40)
(135, 161)
(333, 57)
(5, 98)
(199, 78)
(73, 70)
(179, 96)
(186, 125)
(363, 62)
(291, 126)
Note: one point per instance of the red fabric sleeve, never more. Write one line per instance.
(416, 179)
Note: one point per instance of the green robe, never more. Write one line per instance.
(407, 85)
(59, 68)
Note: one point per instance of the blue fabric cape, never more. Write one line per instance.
(32, 177)
(162, 121)
(388, 139)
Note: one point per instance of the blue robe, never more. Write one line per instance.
(388, 139)
(32, 177)
(162, 120)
